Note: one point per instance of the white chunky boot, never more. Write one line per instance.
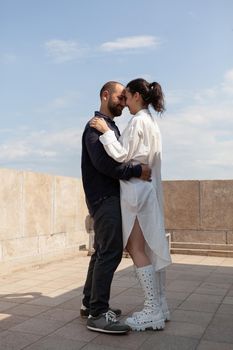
(161, 278)
(151, 316)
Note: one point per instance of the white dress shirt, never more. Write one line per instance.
(140, 142)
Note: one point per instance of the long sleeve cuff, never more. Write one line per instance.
(108, 137)
(137, 170)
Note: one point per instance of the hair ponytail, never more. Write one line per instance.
(151, 93)
(156, 97)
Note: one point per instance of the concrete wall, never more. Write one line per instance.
(42, 218)
(199, 211)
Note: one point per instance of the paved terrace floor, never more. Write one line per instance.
(39, 308)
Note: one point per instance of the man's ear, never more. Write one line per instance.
(105, 95)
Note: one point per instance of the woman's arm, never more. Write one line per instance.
(125, 149)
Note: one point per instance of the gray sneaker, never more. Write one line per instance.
(84, 311)
(107, 323)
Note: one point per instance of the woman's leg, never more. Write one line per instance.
(136, 246)
(151, 316)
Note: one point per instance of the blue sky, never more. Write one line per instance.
(56, 55)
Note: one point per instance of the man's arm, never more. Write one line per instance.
(103, 163)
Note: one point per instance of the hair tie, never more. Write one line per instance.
(152, 85)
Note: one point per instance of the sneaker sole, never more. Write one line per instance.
(84, 317)
(167, 317)
(106, 331)
(148, 326)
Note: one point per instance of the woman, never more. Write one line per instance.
(141, 202)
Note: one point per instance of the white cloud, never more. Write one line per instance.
(229, 75)
(53, 152)
(176, 96)
(64, 101)
(227, 84)
(60, 103)
(131, 42)
(39, 144)
(198, 138)
(64, 50)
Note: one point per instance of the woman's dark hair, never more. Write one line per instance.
(151, 93)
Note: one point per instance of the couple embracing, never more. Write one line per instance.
(121, 177)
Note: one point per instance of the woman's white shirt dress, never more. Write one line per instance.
(140, 142)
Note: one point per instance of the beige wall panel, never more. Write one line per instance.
(217, 204)
(38, 193)
(181, 204)
(19, 248)
(230, 237)
(65, 204)
(54, 242)
(10, 204)
(193, 236)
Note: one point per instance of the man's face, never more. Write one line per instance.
(116, 102)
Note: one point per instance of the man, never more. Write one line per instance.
(100, 176)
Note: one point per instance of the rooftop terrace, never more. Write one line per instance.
(39, 307)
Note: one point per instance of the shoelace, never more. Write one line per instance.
(110, 316)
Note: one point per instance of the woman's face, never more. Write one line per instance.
(130, 101)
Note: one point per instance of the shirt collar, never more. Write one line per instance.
(99, 114)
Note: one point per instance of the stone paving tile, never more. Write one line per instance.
(162, 341)
(76, 330)
(126, 299)
(20, 298)
(7, 320)
(15, 340)
(45, 313)
(54, 298)
(177, 295)
(72, 304)
(59, 315)
(225, 309)
(208, 345)
(54, 342)
(228, 300)
(182, 286)
(115, 290)
(200, 318)
(11, 288)
(37, 326)
(220, 329)
(224, 269)
(227, 262)
(205, 298)
(184, 329)
(193, 276)
(91, 346)
(199, 306)
(213, 260)
(215, 334)
(132, 340)
(212, 288)
(27, 310)
(230, 293)
(220, 278)
(5, 305)
(222, 321)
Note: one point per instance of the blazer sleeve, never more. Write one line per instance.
(103, 163)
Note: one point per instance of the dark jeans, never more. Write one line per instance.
(108, 247)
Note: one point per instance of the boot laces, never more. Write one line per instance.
(110, 316)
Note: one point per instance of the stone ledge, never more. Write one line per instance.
(186, 245)
(204, 252)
